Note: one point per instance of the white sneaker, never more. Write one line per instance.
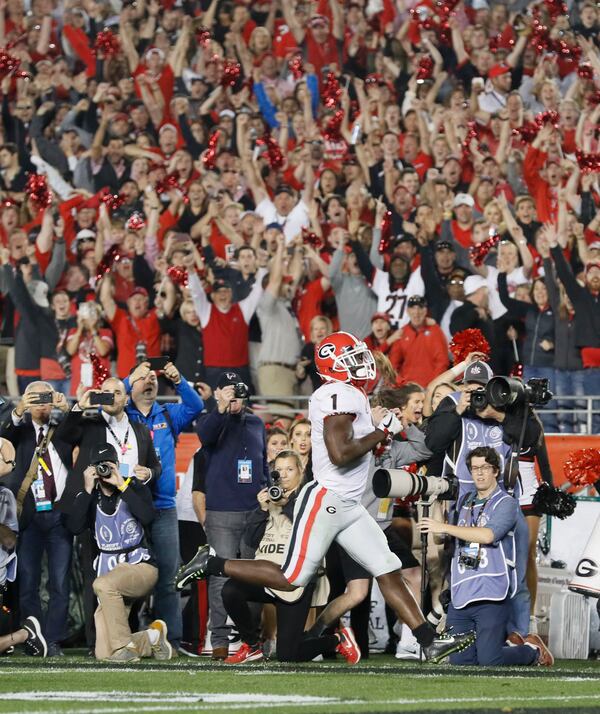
(408, 647)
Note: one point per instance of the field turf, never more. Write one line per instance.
(80, 685)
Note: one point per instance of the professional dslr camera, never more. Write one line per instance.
(276, 492)
(398, 483)
(240, 390)
(104, 470)
(508, 393)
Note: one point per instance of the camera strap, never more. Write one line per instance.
(32, 471)
(511, 468)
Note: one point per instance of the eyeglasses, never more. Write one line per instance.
(484, 469)
(13, 464)
(23, 108)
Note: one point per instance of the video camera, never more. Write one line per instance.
(275, 491)
(508, 393)
(398, 483)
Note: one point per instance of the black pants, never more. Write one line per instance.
(195, 611)
(292, 646)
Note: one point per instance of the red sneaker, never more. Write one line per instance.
(546, 657)
(347, 647)
(246, 653)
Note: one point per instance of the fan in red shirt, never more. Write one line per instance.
(543, 175)
(137, 330)
(381, 338)
(421, 353)
(462, 225)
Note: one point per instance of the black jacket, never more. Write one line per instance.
(444, 428)
(85, 432)
(539, 326)
(585, 304)
(566, 353)
(23, 439)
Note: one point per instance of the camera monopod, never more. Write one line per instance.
(426, 506)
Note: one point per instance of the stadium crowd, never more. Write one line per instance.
(223, 184)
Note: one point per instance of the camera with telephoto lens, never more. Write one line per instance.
(241, 391)
(398, 483)
(510, 393)
(275, 491)
(104, 469)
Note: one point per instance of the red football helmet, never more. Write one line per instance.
(342, 357)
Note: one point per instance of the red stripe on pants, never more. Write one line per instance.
(306, 535)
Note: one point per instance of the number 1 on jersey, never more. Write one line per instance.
(334, 402)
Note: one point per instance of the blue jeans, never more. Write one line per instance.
(224, 531)
(549, 421)
(165, 547)
(571, 383)
(46, 533)
(489, 620)
(520, 604)
(591, 383)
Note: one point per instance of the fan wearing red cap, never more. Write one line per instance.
(136, 329)
(382, 336)
(494, 98)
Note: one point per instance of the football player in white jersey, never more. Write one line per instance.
(344, 433)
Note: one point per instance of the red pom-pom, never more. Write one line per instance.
(107, 44)
(548, 117)
(108, 260)
(203, 37)
(518, 370)
(312, 239)
(179, 276)
(8, 63)
(528, 131)
(168, 183)
(210, 155)
(112, 201)
(585, 72)
(231, 73)
(332, 130)
(588, 163)
(582, 467)
(331, 91)
(478, 253)
(386, 233)
(556, 8)
(467, 341)
(99, 372)
(38, 191)
(425, 69)
(135, 222)
(273, 150)
(296, 65)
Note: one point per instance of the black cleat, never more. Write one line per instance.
(446, 644)
(35, 644)
(195, 569)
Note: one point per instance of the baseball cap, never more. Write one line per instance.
(590, 266)
(228, 378)
(227, 113)
(85, 234)
(478, 372)
(473, 283)
(121, 116)
(103, 452)
(382, 316)
(480, 5)
(319, 20)
(416, 301)
(463, 199)
(164, 127)
(444, 245)
(139, 290)
(284, 188)
(275, 226)
(406, 238)
(595, 245)
(220, 284)
(498, 70)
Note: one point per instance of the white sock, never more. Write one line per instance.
(153, 635)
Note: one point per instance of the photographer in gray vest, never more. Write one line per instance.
(483, 574)
(464, 421)
(118, 509)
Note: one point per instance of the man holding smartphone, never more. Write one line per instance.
(86, 425)
(43, 461)
(165, 422)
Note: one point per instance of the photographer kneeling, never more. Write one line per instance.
(268, 531)
(118, 511)
(483, 576)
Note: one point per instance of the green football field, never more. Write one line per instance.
(82, 686)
